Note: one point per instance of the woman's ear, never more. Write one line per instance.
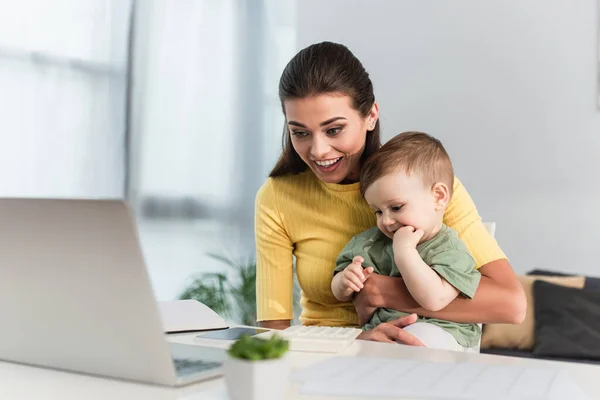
(372, 117)
(441, 195)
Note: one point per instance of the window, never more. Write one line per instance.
(63, 74)
(207, 126)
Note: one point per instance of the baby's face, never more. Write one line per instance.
(401, 200)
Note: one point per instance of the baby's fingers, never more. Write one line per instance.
(368, 271)
(353, 287)
(354, 282)
(357, 270)
(358, 259)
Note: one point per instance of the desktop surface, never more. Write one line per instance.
(20, 381)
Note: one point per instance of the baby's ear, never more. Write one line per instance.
(441, 195)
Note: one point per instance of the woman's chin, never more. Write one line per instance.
(329, 177)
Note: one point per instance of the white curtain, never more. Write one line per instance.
(203, 69)
(63, 80)
(206, 127)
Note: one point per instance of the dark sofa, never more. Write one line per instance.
(529, 354)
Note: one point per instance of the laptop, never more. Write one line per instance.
(75, 295)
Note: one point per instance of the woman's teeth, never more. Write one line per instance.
(327, 163)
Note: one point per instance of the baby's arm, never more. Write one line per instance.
(349, 281)
(429, 289)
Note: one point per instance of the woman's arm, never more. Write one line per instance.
(274, 268)
(498, 299)
(276, 324)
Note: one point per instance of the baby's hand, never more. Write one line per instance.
(407, 238)
(354, 275)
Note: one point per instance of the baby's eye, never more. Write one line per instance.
(378, 212)
(396, 208)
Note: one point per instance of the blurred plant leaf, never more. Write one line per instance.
(232, 293)
(223, 259)
(210, 294)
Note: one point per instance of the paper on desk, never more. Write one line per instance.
(388, 377)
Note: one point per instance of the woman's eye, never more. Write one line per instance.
(300, 134)
(334, 131)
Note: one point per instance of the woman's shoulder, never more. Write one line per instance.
(288, 185)
(460, 197)
(295, 182)
(457, 184)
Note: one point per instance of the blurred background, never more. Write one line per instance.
(172, 105)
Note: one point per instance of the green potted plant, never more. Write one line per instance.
(257, 368)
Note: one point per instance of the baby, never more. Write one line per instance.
(408, 183)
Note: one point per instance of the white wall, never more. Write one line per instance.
(510, 87)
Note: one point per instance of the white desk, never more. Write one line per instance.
(22, 382)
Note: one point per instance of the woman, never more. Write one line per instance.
(311, 206)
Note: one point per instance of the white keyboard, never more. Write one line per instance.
(321, 339)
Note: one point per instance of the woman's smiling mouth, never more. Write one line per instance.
(327, 165)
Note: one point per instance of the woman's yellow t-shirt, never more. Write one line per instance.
(300, 216)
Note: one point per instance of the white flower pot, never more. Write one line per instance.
(253, 380)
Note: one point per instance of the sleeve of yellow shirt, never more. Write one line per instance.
(274, 269)
(462, 216)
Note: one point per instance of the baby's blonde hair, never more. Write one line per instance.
(411, 152)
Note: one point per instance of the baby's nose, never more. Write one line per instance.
(389, 222)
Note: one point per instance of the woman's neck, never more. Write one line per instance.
(348, 181)
(353, 176)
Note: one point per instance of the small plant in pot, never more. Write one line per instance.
(257, 368)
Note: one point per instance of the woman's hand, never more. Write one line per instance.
(276, 324)
(365, 301)
(371, 296)
(393, 332)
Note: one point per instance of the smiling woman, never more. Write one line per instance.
(311, 206)
(332, 117)
(328, 135)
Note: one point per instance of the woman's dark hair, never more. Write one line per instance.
(324, 68)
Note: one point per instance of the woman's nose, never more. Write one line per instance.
(320, 147)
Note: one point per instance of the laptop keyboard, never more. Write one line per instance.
(186, 366)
